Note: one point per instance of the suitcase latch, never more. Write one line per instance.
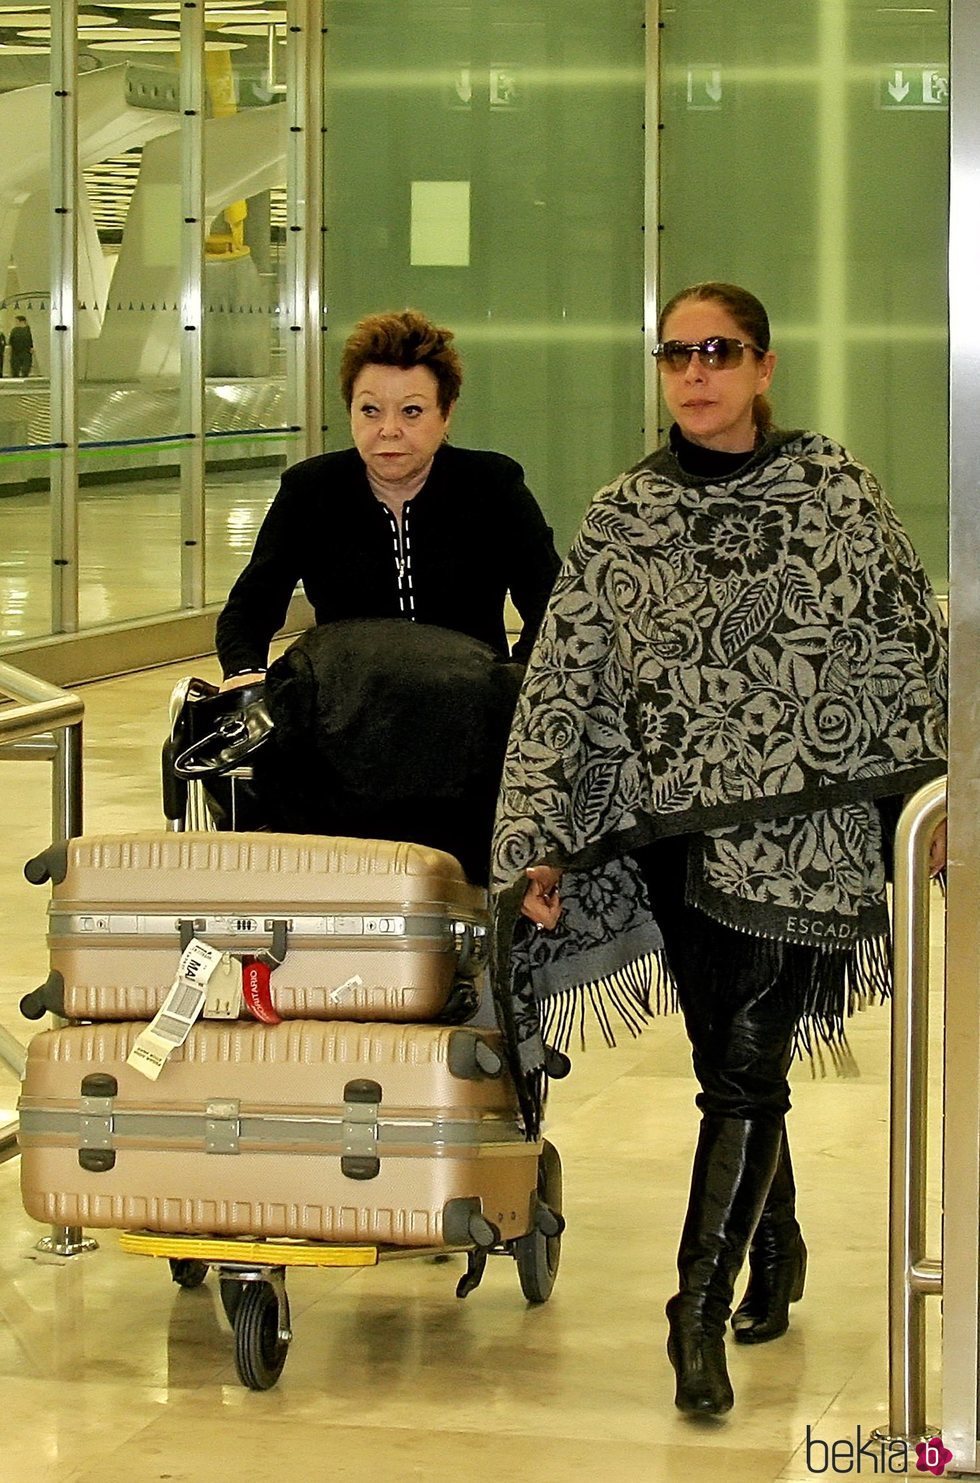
(95, 1128)
(95, 1123)
(359, 1130)
(222, 1127)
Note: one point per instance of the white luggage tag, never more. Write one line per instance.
(172, 1022)
(224, 997)
(346, 990)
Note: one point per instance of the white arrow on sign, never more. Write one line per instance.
(899, 89)
(713, 88)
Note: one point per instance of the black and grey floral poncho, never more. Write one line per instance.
(753, 661)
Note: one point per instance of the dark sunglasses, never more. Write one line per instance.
(717, 354)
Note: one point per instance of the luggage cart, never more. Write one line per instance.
(252, 1273)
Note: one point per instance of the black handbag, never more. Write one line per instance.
(224, 728)
(216, 740)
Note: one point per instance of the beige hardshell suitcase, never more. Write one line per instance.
(401, 1134)
(366, 929)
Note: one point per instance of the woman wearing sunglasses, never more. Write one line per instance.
(741, 659)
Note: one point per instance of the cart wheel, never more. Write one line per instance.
(231, 1292)
(186, 1272)
(537, 1254)
(260, 1351)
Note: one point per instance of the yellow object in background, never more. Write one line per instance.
(221, 88)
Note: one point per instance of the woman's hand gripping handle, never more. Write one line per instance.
(542, 903)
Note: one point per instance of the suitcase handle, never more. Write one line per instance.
(359, 1130)
(272, 956)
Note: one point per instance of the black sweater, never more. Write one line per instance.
(472, 533)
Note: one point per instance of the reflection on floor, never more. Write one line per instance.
(110, 1374)
(120, 578)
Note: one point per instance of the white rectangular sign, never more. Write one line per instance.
(704, 87)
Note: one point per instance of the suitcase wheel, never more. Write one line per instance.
(538, 1253)
(187, 1272)
(262, 1334)
(50, 865)
(50, 996)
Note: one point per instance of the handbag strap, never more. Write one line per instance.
(232, 741)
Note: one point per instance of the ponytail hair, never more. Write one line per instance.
(762, 415)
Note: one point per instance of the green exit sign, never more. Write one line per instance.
(921, 86)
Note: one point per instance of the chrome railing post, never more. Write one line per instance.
(911, 1275)
(46, 724)
(66, 783)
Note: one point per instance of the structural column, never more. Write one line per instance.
(961, 1160)
(193, 228)
(64, 302)
(303, 320)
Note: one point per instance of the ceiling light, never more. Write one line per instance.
(25, 17)
(43, 28)
(231, 17)
(174, 5)
(246, 31)
(100, 35)
(172, 44)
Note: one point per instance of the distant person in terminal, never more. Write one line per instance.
(21, 348)
(403, 524)
(741, 664)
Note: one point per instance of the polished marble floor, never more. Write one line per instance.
(121, 578)
(110, 1374)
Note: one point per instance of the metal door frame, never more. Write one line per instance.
(961, 1154)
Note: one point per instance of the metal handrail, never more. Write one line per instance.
(912, 1276)
(45, 723)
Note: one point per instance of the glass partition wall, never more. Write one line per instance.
(200, 197)
(485, 163)
(805, 153)
(146, 222)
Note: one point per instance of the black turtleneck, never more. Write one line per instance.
(706, 463)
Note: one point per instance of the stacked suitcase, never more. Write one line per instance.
(320, 1095)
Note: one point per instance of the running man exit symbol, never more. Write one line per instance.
(704, 87)
(912, 85)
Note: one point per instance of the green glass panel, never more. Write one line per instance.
(520, 127)
(805, 155)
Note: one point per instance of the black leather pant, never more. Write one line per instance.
(736, 994)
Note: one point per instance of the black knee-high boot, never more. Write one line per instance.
(777, 1262)
(733, 1168)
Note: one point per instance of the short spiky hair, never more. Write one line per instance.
(404, 339)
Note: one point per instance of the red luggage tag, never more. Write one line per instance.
(257, 990)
